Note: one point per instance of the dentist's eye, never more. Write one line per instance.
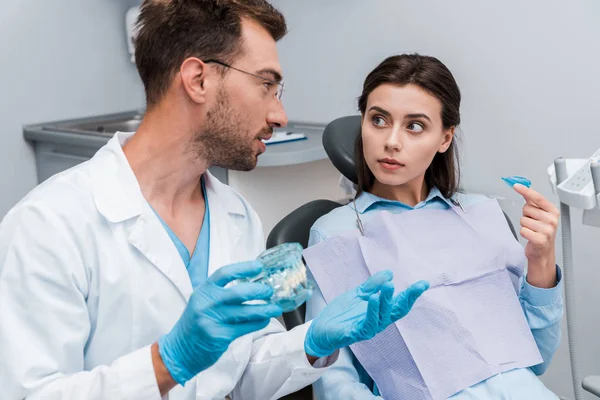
(378, 121)
(415, 127)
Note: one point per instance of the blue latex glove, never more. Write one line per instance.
(213, 318)
(360, 314)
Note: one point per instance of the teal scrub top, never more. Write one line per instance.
(197, 263)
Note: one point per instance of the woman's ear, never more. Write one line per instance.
(447, 141)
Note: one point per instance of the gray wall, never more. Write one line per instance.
(528, 71)
(58, 59)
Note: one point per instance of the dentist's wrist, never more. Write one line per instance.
(167, 348)
(164, 379)
(311, 359)
(311, 349)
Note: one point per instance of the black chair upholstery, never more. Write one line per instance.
(338, 140)
(295, 227)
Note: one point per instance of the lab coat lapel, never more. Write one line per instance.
(151, 239)
(119, 199)
(224, 230)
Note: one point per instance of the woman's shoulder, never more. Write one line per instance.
(336, 221)
(469, 199)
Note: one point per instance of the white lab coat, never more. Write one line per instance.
(89, 279)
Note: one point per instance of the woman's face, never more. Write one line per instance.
(401, 132)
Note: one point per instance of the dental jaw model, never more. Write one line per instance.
(285, 272)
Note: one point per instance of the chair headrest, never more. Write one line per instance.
(338, 140)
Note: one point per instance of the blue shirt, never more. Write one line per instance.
(197, 263)
(543, 308)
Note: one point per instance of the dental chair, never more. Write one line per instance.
(338, 140)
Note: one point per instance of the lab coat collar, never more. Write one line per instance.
(117, 193)
(226, 211)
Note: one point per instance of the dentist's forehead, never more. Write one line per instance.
(259, 51)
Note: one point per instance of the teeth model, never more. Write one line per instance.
(287, 282)
(285, 272)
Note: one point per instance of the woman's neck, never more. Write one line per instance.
(411, 193)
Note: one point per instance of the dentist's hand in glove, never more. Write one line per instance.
(213, 318)
(360, 314)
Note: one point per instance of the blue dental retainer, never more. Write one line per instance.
(513, 180)
(285, 272)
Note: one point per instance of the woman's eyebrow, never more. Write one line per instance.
(380, 110)
(418, 116)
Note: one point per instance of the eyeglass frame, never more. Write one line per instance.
(278, 93)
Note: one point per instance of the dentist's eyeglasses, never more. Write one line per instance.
(276, 87)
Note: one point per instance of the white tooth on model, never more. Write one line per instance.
(287, 282)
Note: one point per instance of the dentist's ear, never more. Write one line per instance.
(448, 137)
(194, 76)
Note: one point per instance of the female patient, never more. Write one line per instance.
(407, 160)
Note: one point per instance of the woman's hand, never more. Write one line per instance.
(538, 226)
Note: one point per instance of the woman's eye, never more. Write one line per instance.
(415, 127)
(378, 121)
